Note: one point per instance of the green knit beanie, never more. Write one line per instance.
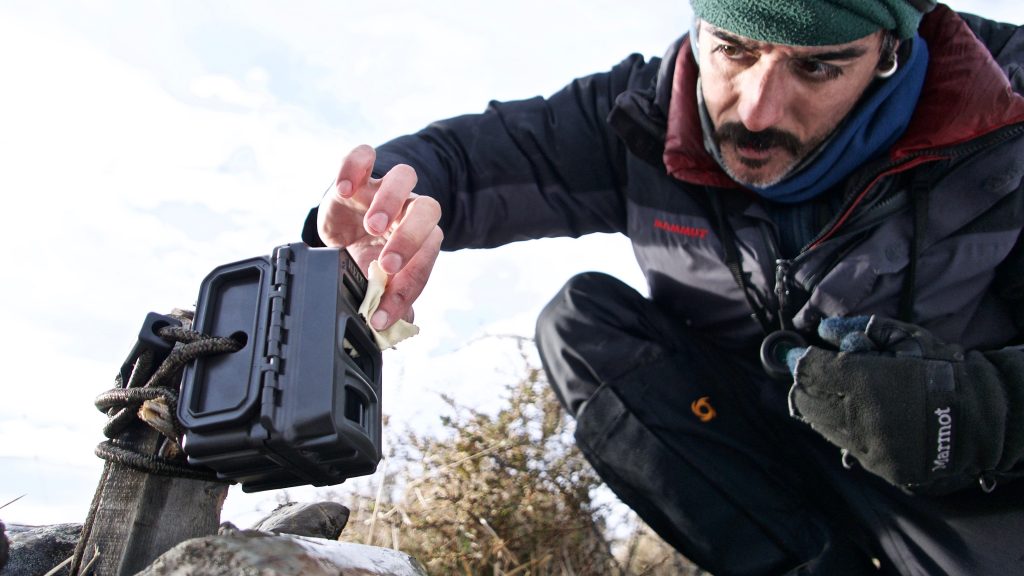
(812, 22)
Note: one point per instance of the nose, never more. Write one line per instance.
(763, 94)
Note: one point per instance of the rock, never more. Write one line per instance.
(252, 553)
(3, 547)
(36, 550)
(319, 520)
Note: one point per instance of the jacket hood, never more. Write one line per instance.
(966, 96)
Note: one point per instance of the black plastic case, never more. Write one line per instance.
(300, 402)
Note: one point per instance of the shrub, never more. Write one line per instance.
(502, 494)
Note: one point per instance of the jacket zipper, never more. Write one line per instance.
(909, 162)
(845, 212)
(782, 267)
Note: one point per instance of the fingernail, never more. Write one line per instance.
(391, 263)
(379, 320)
(377, 223)
(344, 188)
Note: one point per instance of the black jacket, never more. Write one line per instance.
(930, 233)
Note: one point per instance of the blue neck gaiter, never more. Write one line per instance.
(873, 126)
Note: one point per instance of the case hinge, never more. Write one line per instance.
(273, 365)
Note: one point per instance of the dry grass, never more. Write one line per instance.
(503, 494)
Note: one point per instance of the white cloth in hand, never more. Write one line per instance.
(376, 281)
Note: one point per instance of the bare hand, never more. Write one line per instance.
(382, 219)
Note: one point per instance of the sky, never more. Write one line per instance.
(143, 143)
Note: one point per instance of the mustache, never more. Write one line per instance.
(768, 138)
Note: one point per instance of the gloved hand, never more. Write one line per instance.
(922, 414)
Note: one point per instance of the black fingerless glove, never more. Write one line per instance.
(922, 414)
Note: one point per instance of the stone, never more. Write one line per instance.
(35, 550)
(318, 520)
(252, 553)
(3, 547)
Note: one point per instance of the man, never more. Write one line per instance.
(834, 184)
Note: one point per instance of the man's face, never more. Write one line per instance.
(772, 104)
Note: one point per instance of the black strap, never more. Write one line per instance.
(733, 262)
(919, 204)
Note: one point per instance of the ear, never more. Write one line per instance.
(888, 54)
(894, 65)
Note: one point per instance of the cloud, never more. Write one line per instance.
(228, 91)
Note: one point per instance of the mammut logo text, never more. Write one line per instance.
(945, 439)
(690, 231)
(702, 409)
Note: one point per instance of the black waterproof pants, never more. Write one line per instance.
(699, 442)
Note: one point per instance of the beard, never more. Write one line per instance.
(789, 150)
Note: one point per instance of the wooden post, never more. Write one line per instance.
(137, 516)
(140, 516)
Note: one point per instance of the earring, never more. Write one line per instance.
(883, 74)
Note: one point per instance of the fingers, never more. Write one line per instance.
(793, 356)
(405, 287)
(410, 252)
(835, 328)
(359, 205)
(815, 384)
(339, 217)
(389, 198)
(363, 214)
(857, 342)
(417, 222)
(356, 168)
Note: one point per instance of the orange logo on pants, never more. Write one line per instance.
(703, 410)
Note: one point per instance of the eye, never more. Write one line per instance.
(731, 51)
(818, 70)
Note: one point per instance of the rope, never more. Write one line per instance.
(123, 403)
(110, 450)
